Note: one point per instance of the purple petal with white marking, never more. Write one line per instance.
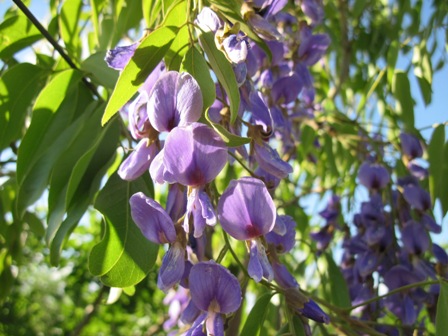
(259, 265)
(236, 48)
(152, 219)
(208, 20)
(214, 289)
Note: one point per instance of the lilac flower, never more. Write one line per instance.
(417, 171)
(415, 238)
(215, 291)
(261, 26)
(313, 9)
(235, 47)
(284, 241)
(312, 47)
(138, 161)
(246, 211)
(286, 89)
(120, 56)
(410, 146)
(373, 176)
(304, 306)
(417, 197)
(152, 219)
(175, 100)
(270, 161)
(282, 276)
(157, 226)
(193, 156)
(208, 20)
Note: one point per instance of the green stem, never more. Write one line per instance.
(243, 165)
(392, 292)
(226, 238)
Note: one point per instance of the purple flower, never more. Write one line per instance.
(283, 277)
(314, 312)
(313, 9)
(246, 212)
(373, 176)
(173, 267)
(120, 56)
(215, 291)
(194, 154)
(262, 27)
(152, 219)
(415, 238)
(138, 161)
(417, 197)
(312, 47)
(246, 209)
(411, 146)
(235, 47)
(286, 89)
(285, 241)
(175, 100)
(270, 161)
(208, 20)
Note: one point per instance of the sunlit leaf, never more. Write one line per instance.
(257, 316)
(147, 56)
(124, 256)
(16, 33)
(436, 162)
(223, 71)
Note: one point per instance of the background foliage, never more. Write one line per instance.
(58, 162)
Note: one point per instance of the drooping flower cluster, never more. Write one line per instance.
(177, 147)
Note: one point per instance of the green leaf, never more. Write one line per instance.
(83, 184)
(257, 315)
(444, 186)
(223, 71)
(405, 104)
(18, 87)
(436, 162)
(52, 129)
(124, 256)
(423, 71)
(392, 56)
(96, 8)
(147, 56)
(130, 15)
(177, 17)
(195, 64)
(339, 294)
(102, 74)
(442, 310)
(69, 28)
(150, 10)
(16, 33)
(230, 139)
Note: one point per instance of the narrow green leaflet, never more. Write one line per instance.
(405, 104)
(96, 8)
(129, 17)
(436, 162)
(230, 139)
(68, 26)
(83, 184)
(16, 33)
(257, 315)
(18, 87)
(149, 53)
(195, 64)
(444, 196)
(177, 17)
(442, 310)
(150, 10)
(98, 70)
(223, 71)
(338, 294)
(124, 256)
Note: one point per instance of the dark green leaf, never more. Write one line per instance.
(16, 33)
(223, 71)
(257, 316)
(442, 310)
(69, 28)
(18, 88)
(83, 184)
(147, 56)
(436, 161)
(124, 256)
(339, 294)
(102, 74)
(195, 64)
(405, 104)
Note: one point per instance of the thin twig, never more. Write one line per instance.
(54, 43)
(90, 312)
